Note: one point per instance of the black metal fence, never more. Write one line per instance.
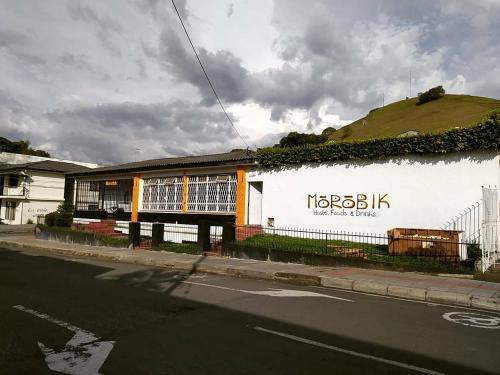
(412, 247)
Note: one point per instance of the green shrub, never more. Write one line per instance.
(62, 217)
(29, 221)
(84, 237)
(473, 251)
(484, 136)
(433, 94)
(59, 219)
(187, 248)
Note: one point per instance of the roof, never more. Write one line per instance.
(46, 165)
(228, 158)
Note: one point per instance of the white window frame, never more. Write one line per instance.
(212, 193)
(162, 194)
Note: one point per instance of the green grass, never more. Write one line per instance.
(187, 248)
(311, 246)
(433, 117)
(492, 276)
(371, 253)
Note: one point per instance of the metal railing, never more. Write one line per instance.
(423, 248)
(469, 222)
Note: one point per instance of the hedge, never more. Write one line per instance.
(483, 136)
(84, 237)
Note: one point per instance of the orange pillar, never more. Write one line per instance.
(184, 192)
(241, 179)
(135, 199)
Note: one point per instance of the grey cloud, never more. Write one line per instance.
(160, 9)
(12, 37)
(80, 61)
(107, 27)
(230, 10)
(351, 53)
(225, 70)
(110, 133)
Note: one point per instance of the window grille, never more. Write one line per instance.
(96, 196)
(162, 194)
(212, 193)
(87, 196)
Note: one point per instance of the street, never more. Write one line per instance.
(131, 319)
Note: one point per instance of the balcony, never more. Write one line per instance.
(14, 192)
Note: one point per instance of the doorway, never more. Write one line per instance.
(255, 203)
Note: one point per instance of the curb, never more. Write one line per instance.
(340, 283)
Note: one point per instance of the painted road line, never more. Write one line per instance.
(349, 352)
(272, 292)
(405, 299)
(473, 320)
(84, 354)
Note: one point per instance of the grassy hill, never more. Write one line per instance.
(405, 116)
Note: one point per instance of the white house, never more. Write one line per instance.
(33, 189)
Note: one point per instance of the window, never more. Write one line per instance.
(10, 210)
(87, 195)
(212, 193)
(13, 181)
(162, 194)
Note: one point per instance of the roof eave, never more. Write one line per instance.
(92, 172)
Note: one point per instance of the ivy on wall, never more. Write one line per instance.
(483, 136)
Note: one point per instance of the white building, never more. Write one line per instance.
(428, 191)
(33, 189)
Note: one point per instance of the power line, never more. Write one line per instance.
(206, 75)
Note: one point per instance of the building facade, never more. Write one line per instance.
(32, 190)
(373, 195)
(357, 196)
(173, 190)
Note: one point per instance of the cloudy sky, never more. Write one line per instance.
(113, 81)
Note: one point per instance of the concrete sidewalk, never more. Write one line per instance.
(410, 285)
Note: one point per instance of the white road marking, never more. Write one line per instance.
(349, 352)
(473, 320)
(403, 299)
(272, 292)
(82, 355)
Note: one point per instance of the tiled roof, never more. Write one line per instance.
(228, 158)
(46, 165)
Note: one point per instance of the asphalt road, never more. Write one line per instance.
(144, 320)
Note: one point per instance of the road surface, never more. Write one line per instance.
(83, 315)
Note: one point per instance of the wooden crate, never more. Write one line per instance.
(425, 242)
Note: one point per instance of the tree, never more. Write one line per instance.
(433, 94)
(328, 131)
(21, 147)
(295, 139)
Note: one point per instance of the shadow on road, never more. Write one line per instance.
(159, 333)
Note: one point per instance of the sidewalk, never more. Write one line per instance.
(454, 291)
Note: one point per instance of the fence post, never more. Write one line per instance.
(228, 236)
(157, 234)
(134, 234)
(204, 235)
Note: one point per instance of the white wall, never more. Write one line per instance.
(46, 192)
(45, 185)
(422, 192)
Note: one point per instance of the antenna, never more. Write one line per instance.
(410, 82)
(136, 153)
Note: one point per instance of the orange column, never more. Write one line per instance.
(241, 179)
(135, 199)
(184, 193)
